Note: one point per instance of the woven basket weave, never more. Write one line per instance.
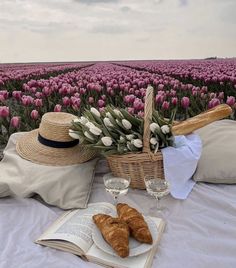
(138, 165)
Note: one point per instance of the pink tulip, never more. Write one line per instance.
(230, 100)
(38, 102)
(165, 105)
(4, 93)
(38, 95)
(221, 95)
(57, 108)
(141, 114)
(15, 121)
(101, 103)
(101, 109)
(75, 102)
(27, 100)
(82, 91)
(66, 101)
(98, 88)
(213, 102)
(174, 101)
(138, 104)
(159, 98)
(16, 94)
(185, 102)
(131, 110)
(34, 115)
(212, 95)
(91, 100)
(4, 111)
(2, 99)
(46, 91)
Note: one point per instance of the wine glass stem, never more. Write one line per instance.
(115, 200)
(158, 199)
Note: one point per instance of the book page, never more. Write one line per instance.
(98, 256)
(76, 225)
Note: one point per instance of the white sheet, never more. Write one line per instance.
(200, 232)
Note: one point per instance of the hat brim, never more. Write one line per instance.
(29, 148)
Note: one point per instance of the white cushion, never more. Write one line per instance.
(218, 160)
(64, 186)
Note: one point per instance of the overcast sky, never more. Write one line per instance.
(78, 30)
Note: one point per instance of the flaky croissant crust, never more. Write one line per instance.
(115, 232)
(137, 225)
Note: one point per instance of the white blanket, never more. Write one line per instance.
(200, 230)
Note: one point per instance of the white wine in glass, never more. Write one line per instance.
(115, 185)
(157, 188)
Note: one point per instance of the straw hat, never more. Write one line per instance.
(51, 144)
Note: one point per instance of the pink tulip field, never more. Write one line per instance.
(27, 91)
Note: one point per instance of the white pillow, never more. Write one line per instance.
(217, 162)
(64, 186)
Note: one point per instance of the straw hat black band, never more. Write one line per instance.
(51, 143)
(57, 144)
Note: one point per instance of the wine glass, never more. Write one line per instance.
(158, 188)
(116, 185)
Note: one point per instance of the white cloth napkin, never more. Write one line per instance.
(180, 163)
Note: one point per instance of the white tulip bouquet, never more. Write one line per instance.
(118, 132)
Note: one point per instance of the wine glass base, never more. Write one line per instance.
(161, 212)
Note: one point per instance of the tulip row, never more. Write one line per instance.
(217, 75)
(100, 85)
(14, 75)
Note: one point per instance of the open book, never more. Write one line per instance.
(72, 232)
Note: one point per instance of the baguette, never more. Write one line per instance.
(188, 126)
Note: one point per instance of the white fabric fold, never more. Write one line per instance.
(180, 163)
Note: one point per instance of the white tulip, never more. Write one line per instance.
(107, 122)
(108, 114)
(82, 120)
(86, 134)
(126, 124)
(95, 130)
(73, 134)
(76, 120)
(95, 112)
(89, 124)
(154, 127)
(137, 143)
(130, 137)
(122, 139)
(165, 129)
(156, 148)
(128, 146)
(117, 112)
(107, 141)
(153, 141)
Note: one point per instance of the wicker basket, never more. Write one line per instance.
(138, 165)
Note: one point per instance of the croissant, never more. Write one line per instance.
(115, 232)
(137, 225)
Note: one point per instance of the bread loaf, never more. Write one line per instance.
(186, 127)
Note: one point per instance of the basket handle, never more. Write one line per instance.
(148, 108)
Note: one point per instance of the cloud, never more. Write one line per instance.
(183, 3)
(91, 2)
(125, 9)
(110, 29)
(72, 29)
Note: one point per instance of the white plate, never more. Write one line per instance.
(135, 248)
